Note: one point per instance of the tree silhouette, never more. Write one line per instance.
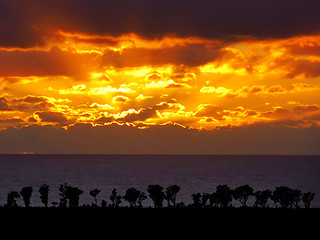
(223, 195)
(103, 203)
(196, 198)
(283, 196)
(26, 193)
(63, 197)
(132, 196)
(73, 195)
(204, 198)
(11, 200)
(141, 198)
(156, 194)
(242, 194)
(296, 197)
(262, 198)
(69, 195)
(199, 200)
(115, 198)
(94, 193)
(44, 194)
(213, 200)
(171, 194)
(307, 198)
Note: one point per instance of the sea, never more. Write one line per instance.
(193, 173)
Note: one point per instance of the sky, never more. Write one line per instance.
(160, 77)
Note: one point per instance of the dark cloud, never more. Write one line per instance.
(209, 110)
(149, 112)
(4, 104)
(52, 117)
(190, 55)
(169, 139)
(41, 63)
(278, 113)
(24, 22)
(31, 103)
(30, 99)
(309, 69)
(103, 120)
(11, 120)
(306, 109)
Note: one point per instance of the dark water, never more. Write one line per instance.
(192, 173)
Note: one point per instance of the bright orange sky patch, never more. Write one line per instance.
(194, 82)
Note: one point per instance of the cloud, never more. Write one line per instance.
(209, 110)
(120, 99)
(4, 104)
(300, 112)
(189, 55)
(52, 117)
(45, 63)
(150, 112)
(23, 24)
(278, 113)
(165, 84)
(12, 120)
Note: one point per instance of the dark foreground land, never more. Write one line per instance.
(168, 215)
(164, 223)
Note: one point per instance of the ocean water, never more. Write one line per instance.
(193, 173)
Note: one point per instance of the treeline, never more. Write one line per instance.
(282, 197)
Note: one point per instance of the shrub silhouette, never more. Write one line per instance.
(26, 193)
(242, 194)
(94, 193)
(44, 194)
(157, 195)
(11, 200)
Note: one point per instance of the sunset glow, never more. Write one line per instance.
(78, 76)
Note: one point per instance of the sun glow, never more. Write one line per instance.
(130, 80)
